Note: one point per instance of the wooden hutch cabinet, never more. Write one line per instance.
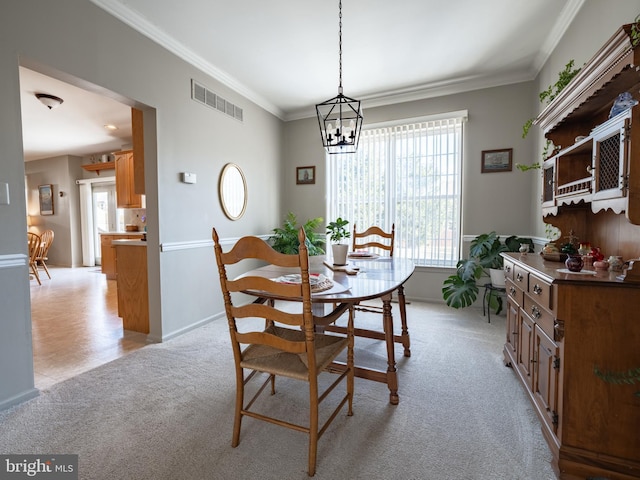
(563, 327)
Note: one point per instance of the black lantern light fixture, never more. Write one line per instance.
(340, 118)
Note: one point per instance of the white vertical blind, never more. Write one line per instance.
(407, 175)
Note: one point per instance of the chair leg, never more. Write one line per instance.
(34, 270)
(313, 425)
(237, 422)
(46, 269)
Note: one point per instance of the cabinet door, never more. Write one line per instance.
(512, 326)
(125, 194)
(108, 257)
(611, 161)
(545, 376)
(525, 345)
(548, 184)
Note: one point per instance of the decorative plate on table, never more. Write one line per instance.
(318, 281)
(362, 254)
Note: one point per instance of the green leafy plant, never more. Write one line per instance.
(337, 230)
(461, 289)
(285, 238)
(635, 31)
(631, 377)
(564, 77)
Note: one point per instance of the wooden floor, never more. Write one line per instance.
(75, 324)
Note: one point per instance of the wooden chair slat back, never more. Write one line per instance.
(374, 237)
(257, 249)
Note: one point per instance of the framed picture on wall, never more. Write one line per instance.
(497, 160)
(45, 194)
(305, 175)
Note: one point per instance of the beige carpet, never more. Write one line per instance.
(165, 412)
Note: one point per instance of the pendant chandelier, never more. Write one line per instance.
(340, 118)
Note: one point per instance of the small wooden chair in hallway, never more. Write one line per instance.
(286, 343)
(33, 241)
(376, 240)
(46, 239)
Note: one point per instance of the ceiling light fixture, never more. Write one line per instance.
(340, 118)
(109, 126)
(50, 101)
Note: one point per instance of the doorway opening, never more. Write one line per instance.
(75, 322)
(106, 216)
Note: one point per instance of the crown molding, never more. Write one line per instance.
(141, 25)
(421, 92)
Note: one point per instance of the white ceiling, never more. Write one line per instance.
(283, 55)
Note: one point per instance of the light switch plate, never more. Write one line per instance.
(188, 177)
(4, 193)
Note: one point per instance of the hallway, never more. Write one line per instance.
(75, 324)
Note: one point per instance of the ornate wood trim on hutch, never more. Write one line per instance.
(562, 326)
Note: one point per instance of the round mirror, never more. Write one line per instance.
(233, 191)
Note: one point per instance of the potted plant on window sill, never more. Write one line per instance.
(461, 289)
(337, 232)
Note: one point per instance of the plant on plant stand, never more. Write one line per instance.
(337, 232)
(285, 238)
(461, 289)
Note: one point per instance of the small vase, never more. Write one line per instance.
(615, 263)
(524, 248)
(601, 265)
(574, 263)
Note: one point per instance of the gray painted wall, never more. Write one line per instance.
(61, 172)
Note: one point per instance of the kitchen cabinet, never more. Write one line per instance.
(133, 290)
(108, 252)
(125, 190)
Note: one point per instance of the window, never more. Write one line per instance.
(409, 175)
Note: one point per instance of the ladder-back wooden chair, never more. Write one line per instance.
(33, 241)
(286, 343)
(376, 240)
(46, 239)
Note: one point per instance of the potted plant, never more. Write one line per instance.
(337, 232)
(285, 238)
(461, 289)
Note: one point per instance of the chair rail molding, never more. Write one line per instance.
(14, 260)
(174, 246)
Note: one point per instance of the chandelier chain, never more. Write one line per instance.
(340, 42)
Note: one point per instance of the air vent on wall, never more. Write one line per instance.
(203, 95)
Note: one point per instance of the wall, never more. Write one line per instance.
(75, 41)
(61, 172)
(491, 201)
